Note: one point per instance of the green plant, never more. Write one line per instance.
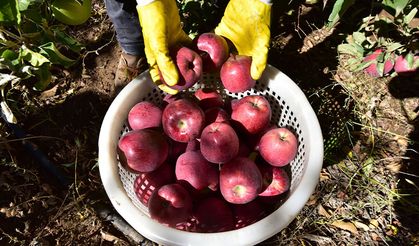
(389, 26)
(199, 16)
(31, 42)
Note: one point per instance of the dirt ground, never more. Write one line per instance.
(367, 194)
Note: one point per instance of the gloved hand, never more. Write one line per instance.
(246, 23)
(160, 23)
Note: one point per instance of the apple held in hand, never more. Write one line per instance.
(143, 150)
(252, 114)
(213, 214)
(183, 120)
(235, 74)
(213, 50)
(144, 114)
(146, 183)
(240, 180)
(278, 146)
(193, 168)
(170, 204)
(189, 65)
(219, 142)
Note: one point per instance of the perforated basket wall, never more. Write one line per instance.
(290, 108)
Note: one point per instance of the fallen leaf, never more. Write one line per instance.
(324, 175)
(373, 223)
(361, 225)
(375, 237)
(322, 211)
(394, 167)
(108, 237)
(348, 226)
(312, 200)
(321, 240)
(49, 93)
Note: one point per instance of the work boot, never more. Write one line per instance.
(129, 67)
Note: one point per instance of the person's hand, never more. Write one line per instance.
(160, 23)
(246, 23)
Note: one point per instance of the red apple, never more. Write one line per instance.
(216, 115)
(170, 204)
(373, 69)
(213, 214)
(192, 167)
(209, 98)
(146, 183)
(240, 180)
(248, 213)
(189, 65)
(278, 146)
(406, 64)
(219, 142)
(235, 74)
(254, 139)
(183, 120)
(275, 180)
(143, 150)
(252, 114)
(213, 50)
(144, 114)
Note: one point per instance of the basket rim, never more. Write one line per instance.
(249, 235)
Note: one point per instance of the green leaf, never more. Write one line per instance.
(394, 46)
(44, 77)
(339, 8)
(24, 4)
(68, 40)
(359, 37)
(351, 49)
(409, 17)
(34, 58)
(55, 56)
(9, 12)
(35, 15)
(9, 54)
(380, 68)
(363, 65)
(410, 60)
(367, 166)
(397, 5)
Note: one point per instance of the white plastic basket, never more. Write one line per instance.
(289, 108)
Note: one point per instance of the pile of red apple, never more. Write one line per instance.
(207, 163)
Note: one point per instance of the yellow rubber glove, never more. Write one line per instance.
(246, 23)
(160, 23)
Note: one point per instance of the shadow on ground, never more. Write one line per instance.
(312, 68)
(406, 88)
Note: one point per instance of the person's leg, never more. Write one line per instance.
(124, 17)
